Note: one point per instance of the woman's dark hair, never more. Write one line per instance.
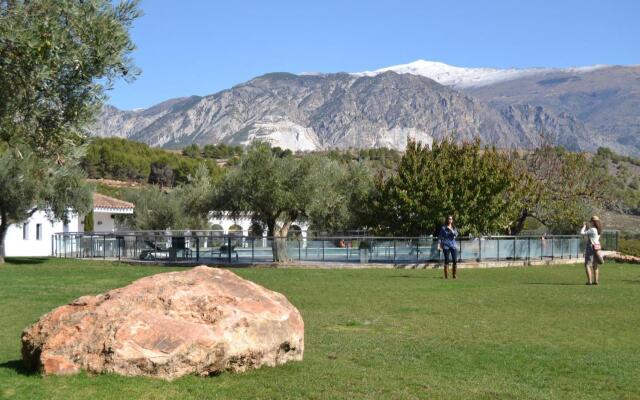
(446, 220)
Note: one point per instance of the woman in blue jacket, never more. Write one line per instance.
(447, 242)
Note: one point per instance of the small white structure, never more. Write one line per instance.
(34, 237)
(105, 209)
(242, 225)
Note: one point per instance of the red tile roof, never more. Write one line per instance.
(102, 201)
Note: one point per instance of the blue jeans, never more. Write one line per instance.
(450, 252)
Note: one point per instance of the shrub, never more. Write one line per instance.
(630, 247)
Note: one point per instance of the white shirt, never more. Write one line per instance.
(592, 234)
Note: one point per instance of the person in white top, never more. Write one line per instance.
(593, 240)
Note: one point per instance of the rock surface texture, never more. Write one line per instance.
(620, 257)
(203, 321)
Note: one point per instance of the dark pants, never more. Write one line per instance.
(450, 253)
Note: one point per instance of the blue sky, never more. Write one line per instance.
(204, 46)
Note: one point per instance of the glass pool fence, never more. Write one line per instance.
(214, 247)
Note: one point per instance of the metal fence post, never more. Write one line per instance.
(394, 250)
(480, 249)
(578, 250)
(498, 246)
(460, 253)
(528, 248)
(253, 243)
(229, 248)
(197, 248)
(322, 249)
(553, 245)
(570, 254)
(104, 247)
(300, 249)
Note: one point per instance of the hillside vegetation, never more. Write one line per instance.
(122, 159)
(617, 197)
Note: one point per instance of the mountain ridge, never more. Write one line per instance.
(313, 112)
(466, 77)
(579, 108)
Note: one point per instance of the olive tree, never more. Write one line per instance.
(278, 188)
(56, 59)
(29, 184)
(183, 207)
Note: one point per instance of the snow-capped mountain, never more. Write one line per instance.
(315, 112)
(578, 108)
(459, 77)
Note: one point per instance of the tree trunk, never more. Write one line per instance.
(271, 228)
(519, 225)
(4, 226)
(279, 246)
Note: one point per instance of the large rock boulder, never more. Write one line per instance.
(202, 321)
(620, 257)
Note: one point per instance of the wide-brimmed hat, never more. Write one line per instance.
(595, 218)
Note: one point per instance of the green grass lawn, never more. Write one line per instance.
(512, 333)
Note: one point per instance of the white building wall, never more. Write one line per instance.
(227, 222)
(17, 246)
(103, 222)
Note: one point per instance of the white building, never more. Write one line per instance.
(34, 237)
(105, 209)
(242, 225)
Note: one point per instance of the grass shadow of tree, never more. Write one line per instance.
(25, 260)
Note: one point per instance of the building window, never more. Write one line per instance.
(38, 231)
(25, 231)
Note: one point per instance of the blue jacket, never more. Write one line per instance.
(447, 237)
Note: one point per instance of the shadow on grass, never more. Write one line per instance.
(25, 260)
(414, 276)
(636, 281)
(554, 283)
(17, 366)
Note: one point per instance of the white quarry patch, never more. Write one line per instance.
(397, 138)
(283, 133)
(450, 75)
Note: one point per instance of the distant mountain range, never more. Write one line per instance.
(579, 108)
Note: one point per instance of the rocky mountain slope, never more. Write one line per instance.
(607, 101)
(309, 112)
(605, 98)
